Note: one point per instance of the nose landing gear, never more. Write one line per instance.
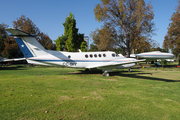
(129, 70)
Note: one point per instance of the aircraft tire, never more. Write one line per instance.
(87, 70)
(106, 74)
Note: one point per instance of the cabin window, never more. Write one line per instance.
(104, 55)
(99, 55)
(95, 55)
(113, 55)
(69, 56)
(86, 56)
(91, 55)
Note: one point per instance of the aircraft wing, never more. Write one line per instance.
(15, 59)
(111, 64)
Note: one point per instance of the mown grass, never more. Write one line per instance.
(65, 93)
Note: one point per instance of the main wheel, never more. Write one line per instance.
(87, 70)
(106, 74)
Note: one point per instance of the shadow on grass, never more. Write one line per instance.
(132, 74)
(13, 68)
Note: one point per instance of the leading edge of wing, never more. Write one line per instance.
(115, 64)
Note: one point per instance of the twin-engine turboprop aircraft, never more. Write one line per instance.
(35, 53)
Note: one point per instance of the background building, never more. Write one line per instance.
(86, 38)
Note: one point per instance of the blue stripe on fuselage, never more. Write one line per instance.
(43, 60)
(24, 48)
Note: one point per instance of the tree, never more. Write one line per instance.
(11, 49)
(143, 45)
(71, 40)
(8, 46)
(3, 35)
(172, 39)
(46, 42)
(60, 43)
(119, 51)
(93, 47)
(84, 46)
(25, 24)
(132, 20)
(104, 38)
(160, 49)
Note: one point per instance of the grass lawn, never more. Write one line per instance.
(65, 93)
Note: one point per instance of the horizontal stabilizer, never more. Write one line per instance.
(17, 32)
(15, 59)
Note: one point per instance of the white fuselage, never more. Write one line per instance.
(155, 55)
(81, 59)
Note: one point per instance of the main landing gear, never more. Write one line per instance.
(129, 70)
(87, 70)
(105, 74)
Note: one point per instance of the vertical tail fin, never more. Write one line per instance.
(27, 43)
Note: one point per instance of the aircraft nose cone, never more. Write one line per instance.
(171, 55)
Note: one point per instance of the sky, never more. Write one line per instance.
(48, 15)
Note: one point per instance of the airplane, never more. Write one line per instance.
(35, 53)
(151, 56)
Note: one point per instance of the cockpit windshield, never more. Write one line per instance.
(115, 55)
(120, 55)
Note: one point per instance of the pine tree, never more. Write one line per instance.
(84, 46)
(71, 40)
